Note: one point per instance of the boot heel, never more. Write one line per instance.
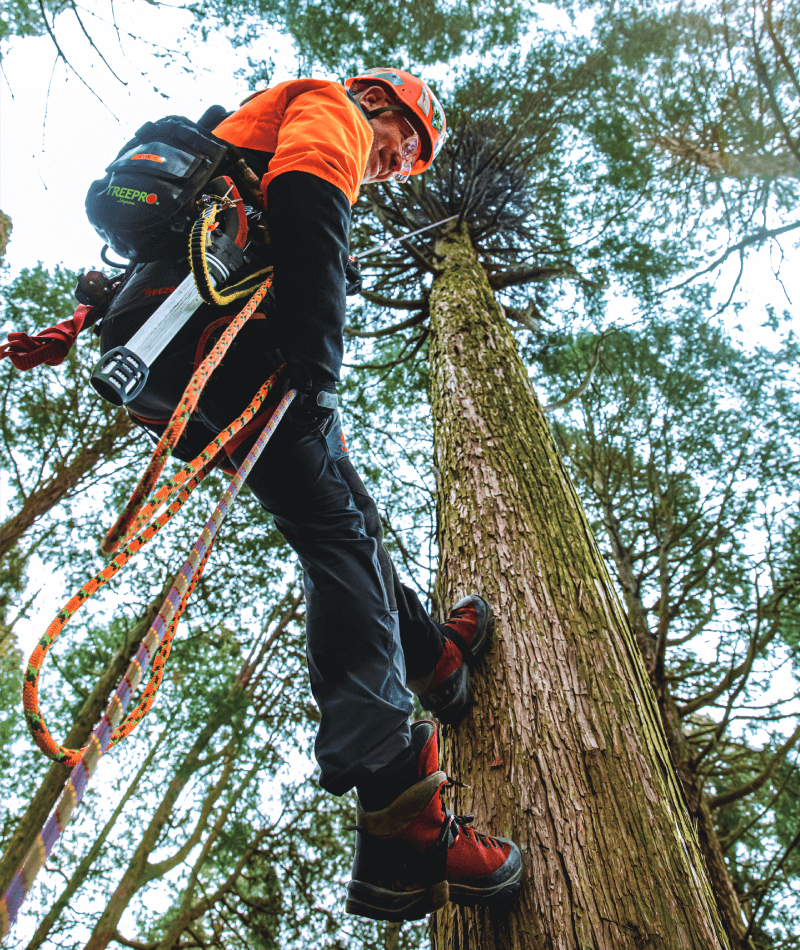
(377, 903)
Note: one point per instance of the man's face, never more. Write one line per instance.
(395, 144)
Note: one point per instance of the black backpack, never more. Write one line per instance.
(145, 206)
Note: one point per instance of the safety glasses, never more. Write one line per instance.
(409, 152)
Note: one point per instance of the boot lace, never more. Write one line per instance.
(458, 612)
(457, 824)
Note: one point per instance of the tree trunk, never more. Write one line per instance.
(139, 870)
(692, 784)
(565, 751)
(53, 784)
(63, 480)
(727, 898)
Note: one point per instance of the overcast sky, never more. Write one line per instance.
(56, 136)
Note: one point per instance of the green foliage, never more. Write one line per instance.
(348, 36)
(683, 449)
(53, 438)
(698, 111)
(22, 18)
(11, 728)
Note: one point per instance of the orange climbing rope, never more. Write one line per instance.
(183, 483)
(136, 513)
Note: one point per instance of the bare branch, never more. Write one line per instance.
(403, 358)
(388, 331)
(135, 944)
(390, 302)
(780, 49)
(766, 82)
(758, 237)
(585, 384)
(64, 59)
(530, 275)
(94, 45)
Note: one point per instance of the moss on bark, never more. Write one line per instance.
(564, 750)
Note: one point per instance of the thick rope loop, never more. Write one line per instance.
(183, 484)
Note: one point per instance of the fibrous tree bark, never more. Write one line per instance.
(564, 750)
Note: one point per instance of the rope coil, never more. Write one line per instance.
(198, 250)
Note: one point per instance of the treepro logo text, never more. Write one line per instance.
(129, 196)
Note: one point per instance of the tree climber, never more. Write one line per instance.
(311, 144)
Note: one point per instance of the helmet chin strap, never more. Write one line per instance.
(371, 114)
(374, 113)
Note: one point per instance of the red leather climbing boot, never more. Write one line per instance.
(446, 691)
(413, 855)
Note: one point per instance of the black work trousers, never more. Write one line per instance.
(367, 633)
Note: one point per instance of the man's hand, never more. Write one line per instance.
(315, 403)
(352, 277)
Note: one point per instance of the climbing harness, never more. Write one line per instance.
(214, 254)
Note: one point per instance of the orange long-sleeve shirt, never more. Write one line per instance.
(308, 125)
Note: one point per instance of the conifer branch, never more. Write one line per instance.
(388, 331)
(758, 781)
(585, 383)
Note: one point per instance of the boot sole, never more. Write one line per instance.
(377, 903)
(467, 896)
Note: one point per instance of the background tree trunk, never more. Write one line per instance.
(63, 480)
(565, 750)
(80, 874)
(53, 783)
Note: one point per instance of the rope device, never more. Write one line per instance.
(136, 526)
(199, 237)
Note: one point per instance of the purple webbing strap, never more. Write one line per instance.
(78, 780)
